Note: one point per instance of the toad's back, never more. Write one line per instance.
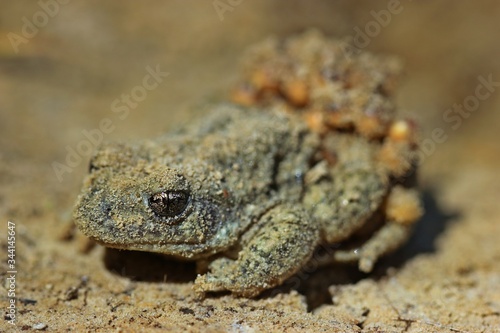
(257, 154)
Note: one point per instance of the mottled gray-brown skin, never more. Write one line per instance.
(243, 192)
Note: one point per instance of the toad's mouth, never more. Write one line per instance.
(180, 250)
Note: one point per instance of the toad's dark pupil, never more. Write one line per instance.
(168, 203)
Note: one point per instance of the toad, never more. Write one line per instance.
(246, 191)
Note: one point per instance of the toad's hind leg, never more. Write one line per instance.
(345, 199)
(273, 250)
(402, 209)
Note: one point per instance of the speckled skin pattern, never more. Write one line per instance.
(246, 194)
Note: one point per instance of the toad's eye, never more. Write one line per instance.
(169, 203)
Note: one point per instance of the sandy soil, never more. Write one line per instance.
(68, 72)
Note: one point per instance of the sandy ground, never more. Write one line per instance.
(61, 79)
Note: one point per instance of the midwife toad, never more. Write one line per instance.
(248, 192)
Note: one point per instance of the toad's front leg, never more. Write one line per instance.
(284, 241)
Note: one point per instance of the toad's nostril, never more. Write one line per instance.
(105, 209)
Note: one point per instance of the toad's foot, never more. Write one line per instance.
(387, 239)
(283, 242)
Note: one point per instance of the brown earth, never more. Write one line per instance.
(64, 78)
